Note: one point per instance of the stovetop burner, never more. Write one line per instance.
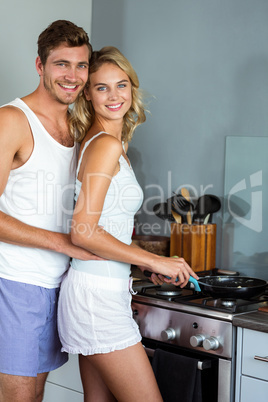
(232, 306)
(190, 297)
(228, 303)
(169, 293)
(166, 291)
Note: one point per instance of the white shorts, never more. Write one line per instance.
(95, 315)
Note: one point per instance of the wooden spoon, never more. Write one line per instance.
(176, 216)
(185, 193)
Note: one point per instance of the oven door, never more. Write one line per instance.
(215, 372)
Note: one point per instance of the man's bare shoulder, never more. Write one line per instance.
(11, 115)
(15, 136)
(13, 123)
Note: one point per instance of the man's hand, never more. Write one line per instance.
(157, 279)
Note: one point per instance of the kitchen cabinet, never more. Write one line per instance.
(64, 384)
(251, 373)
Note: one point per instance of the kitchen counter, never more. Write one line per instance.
(257, 321)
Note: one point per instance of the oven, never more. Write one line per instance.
(209, 368)
(184, 323)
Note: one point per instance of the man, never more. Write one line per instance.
(37, 173)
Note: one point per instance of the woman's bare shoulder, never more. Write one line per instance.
(106, 143)
(102, 154)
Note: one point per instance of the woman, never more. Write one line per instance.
(95, 317)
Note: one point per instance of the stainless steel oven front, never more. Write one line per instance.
(211, 340)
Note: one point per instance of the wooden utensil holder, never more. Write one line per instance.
(195, 243)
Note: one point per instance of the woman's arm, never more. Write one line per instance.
(101, 164)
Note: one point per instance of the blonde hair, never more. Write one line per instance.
(83, 114)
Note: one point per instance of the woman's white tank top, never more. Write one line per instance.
(123, 199)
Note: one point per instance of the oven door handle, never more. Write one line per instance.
(149, 352)
(201, 365)
(204, 364)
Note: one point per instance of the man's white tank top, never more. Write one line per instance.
(39, 193)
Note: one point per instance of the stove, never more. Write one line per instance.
(179, 298)
(187, 322)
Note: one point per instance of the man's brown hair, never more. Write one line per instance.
(60, 32)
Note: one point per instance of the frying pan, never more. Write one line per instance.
(227, 287)
(231, 287)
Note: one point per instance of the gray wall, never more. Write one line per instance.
(20, 24)
(205, 65)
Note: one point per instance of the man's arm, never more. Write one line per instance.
(16, 145)
(13, 231)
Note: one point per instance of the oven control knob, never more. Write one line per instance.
(197, 340)
(211, 343)
(168, 335)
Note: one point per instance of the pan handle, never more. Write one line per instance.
(191, 280)
(195, 283)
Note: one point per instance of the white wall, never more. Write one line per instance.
(21, 22)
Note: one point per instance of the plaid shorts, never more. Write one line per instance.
(29, 341)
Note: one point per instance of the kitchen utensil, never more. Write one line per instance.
(202, 208)
(230, 287)
(163, 211)
(191, 280)
(207, 218)
(182, 207)
(176, 216)
(206, 205)
(215, 206)
(186, 195)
